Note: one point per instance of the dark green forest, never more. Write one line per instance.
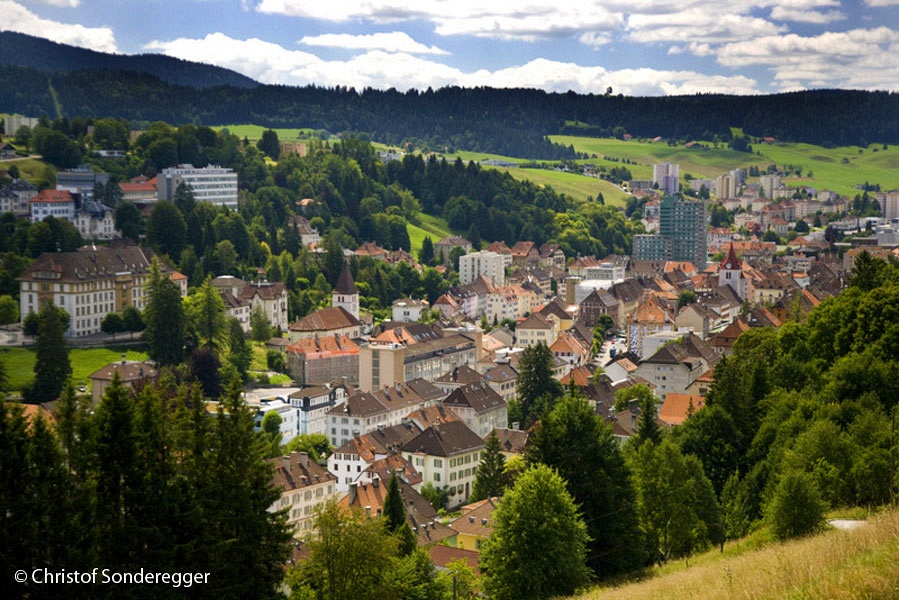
(513, 122)
(46, 55)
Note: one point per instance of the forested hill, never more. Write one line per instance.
(45, 55)
(513, 122)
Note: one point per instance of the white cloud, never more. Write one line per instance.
(859, 58)
(500, 19)
(255, 58)
(18, 18)
(595, 40)
(698, 25)
(269, 63)
(61, 3)
(781, 13)
(396, 41)
(881, 3)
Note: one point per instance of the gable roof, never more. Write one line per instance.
(501, 373)
(296, 471)
(268, 290)
(53, 196)
(476, 519)
(382, 440)
(462, 375)
(326, 319)
(453, 437)
(479, 397)
(420, 515)
(326, 345)
(127, 371)
(442, 556)
(513, 441)
(535, 321)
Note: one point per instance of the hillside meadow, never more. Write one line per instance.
(254, 132)
(836, 564)
(838, 169)
(575, 185)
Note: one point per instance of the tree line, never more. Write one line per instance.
(511, 122)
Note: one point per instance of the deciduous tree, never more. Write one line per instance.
(526, 559)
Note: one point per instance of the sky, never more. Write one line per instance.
(634, 47)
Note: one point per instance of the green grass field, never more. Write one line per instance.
(837, 169)
(19, 363)
(434, 227)
(254, 132)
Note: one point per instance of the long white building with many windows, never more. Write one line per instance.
(213, 184)
(90, 283)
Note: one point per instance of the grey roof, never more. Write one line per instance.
(345, 283)
(479, 397)
(448, 439)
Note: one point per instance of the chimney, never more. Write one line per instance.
(123, 358)
(287, 463)
(353, 491)
(304, 459)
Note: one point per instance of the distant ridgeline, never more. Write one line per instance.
(512, 122)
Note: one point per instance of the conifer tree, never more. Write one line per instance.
(164, 318)
(52, 367)
(394, 512)
(537, 388)
(490, 480)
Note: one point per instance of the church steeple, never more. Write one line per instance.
(731, 262)
(730, 272)
(345, 294)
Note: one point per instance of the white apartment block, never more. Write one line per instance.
(492, 265)
(666, 175)
(52, 203)
(889, 204)
(726, 187)
(769, 183)
(213, 184)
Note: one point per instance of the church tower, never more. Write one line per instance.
(345, 294)
(730, 272)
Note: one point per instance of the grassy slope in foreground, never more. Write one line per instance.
(862, 563)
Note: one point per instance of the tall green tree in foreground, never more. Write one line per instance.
(52, 367)
(677, 510)
(576, 442)
(164, 318)
(538, 547)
